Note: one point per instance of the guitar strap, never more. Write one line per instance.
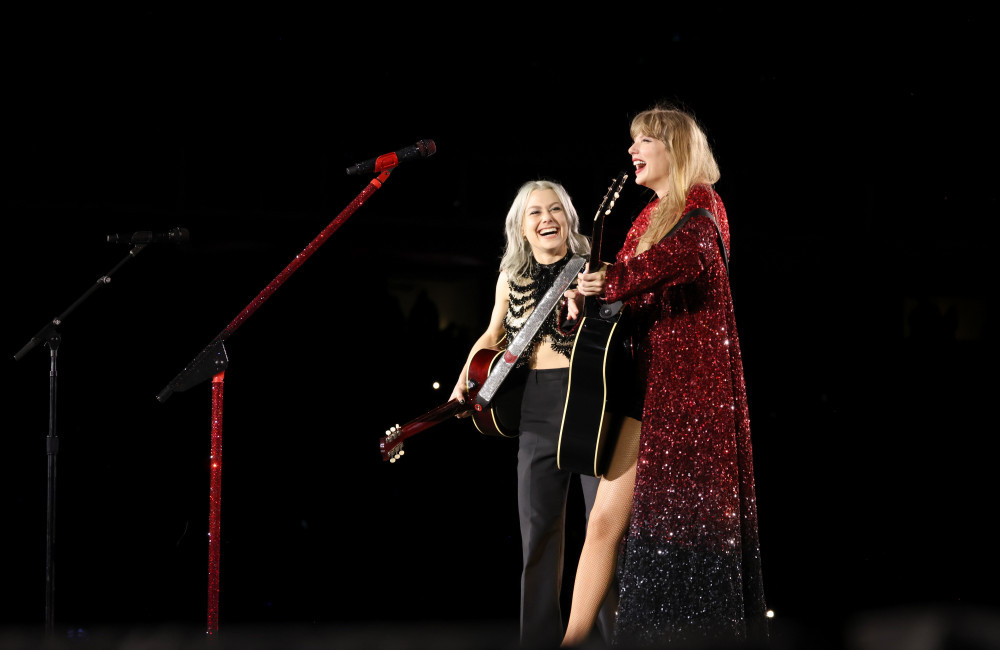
(532, 325)
(704, 213)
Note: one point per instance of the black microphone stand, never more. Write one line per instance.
(49, 335)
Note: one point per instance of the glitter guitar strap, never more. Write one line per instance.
(493, 413)
(532, 325)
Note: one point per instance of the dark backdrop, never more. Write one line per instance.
(856, 169)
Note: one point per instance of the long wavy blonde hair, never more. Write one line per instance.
(691, 159)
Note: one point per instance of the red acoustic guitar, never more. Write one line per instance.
(495, 387)
(503, 418)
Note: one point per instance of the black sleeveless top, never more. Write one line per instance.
(525, 293)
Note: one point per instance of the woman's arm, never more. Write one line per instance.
(675, 260)
(490, 338)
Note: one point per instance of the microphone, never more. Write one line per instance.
(172, 236)
(422, 149)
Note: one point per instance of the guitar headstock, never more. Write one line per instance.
(607, 203)
(614, 191)
(391, 444)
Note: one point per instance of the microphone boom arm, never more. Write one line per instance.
(422, 149)
(212, 358)
(48, 330)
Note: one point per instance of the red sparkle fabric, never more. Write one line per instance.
(691, 563)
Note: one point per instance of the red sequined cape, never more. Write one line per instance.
(691, 561)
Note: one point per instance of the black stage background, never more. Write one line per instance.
(854, 160)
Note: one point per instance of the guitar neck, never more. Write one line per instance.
(391, 443)
(597, 235)
(434, 416)
(595, 244)
(592, 303)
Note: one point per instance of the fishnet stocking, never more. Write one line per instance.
(605, 528)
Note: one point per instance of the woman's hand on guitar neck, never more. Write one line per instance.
(459, 394)
(591, 283)
(587, 284)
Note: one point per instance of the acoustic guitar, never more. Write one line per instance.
(601, 368)
(493, 402)
(503, 419)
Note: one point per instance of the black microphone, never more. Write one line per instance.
(172, 236)
(422, 149)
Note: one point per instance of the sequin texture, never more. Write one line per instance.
(691, 558)
(525, 293)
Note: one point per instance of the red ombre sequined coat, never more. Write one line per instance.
(691, 564)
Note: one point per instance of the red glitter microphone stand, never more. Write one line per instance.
(212, 362)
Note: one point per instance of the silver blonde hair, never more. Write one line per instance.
(517, 258)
